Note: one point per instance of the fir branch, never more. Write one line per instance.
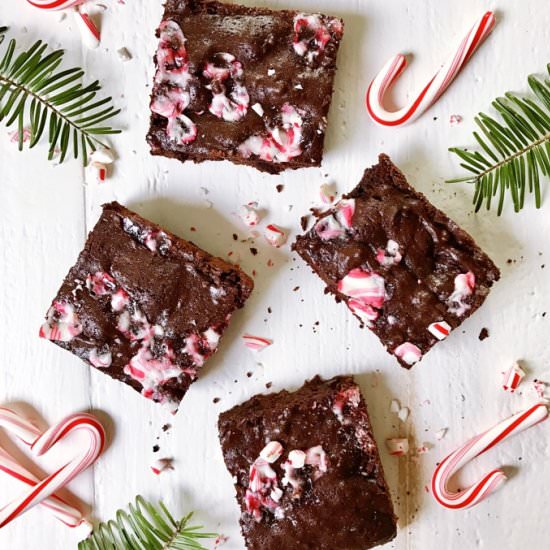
(146, 527)
(35, 94)
(514, 150)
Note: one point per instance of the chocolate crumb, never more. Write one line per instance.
(268, 385)
(279, 187)
(484, 333)
(216, 400)
(166, 427)
(253, 251)
(156, 448)
(269, 310)
(304, 222)
(235, 236)
(296, 288)
(249, 374)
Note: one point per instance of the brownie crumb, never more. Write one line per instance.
(249, 374)
(216, 400)
(253, 251)
(268, 385)
(156, 448)
(304, 220)
(296, 288)
(484, 333)
(235, 237)
(269, 310)
(279, 187)
(166, 427)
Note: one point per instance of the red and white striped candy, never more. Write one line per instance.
(408, 352)
(365, 286)
(90, 33)
(256, 343)
(473, 448)
(43, 492)
(513, 377)
(435, 87)
(275, 236)
(440, 329)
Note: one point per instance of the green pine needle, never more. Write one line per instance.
(146, 527)
(35, 94)
(514, 151)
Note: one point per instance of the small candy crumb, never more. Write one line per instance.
(326, 193)
(395, 406)
(513, 377)
(275, 236)
(95, 173)
(439, 435)
(454, 120)
(258, 109)
(103, 155)
(124, 54)
(397, 446)
(249, 214)
(162, 465)
(256, 343)
(403, 414)
(540, 388)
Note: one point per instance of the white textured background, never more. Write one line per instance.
(46, 212)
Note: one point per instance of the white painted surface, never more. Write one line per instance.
(46, 212)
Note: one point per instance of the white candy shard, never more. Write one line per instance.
(249, 214)
(403, 414)
(326, 193)
(395, 406)
(440, 434)
(297, 458)
(103, 155)
(272, 451)
(95, 173)
(409, 353)
(275, 236)
(258, 109)
(124, 54)
(397, 446)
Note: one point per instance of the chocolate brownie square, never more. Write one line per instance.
(306, 469)
(249, 85)
(403, 268)
(144, 306)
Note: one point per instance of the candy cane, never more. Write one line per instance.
(43, 492)
(473, 448)
(88, 30)
(435, 87)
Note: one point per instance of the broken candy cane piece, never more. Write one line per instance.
(256, 343)
(249, 214)
(464, 286)
(395, 406)
(403, 414)
(454, 120)
(95, 173)
(440, 329)
(275, 236)
(365, 286)
(474, 447)
(513, 377)
(101, 360)
(272, 452)
(103, 155)
(162, 465)
(409, 353)
(397, 446)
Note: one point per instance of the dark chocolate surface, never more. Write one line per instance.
(346, 507)
(274, 75)
(140, 300)
(433, 249)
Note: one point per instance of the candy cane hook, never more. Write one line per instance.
(88, 30)
(43, 492)
(473, 448)
(435, 87)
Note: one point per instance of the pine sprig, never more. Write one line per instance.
(35, 94)
(514, 152)
(146, 527)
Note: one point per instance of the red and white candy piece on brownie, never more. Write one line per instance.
(326, 193)
(275, 236)
(272, 452)
(440, 329)
(389, 256)
(409, 353)
(367, 287)
(464, 286)
(513, 377)
(397, 446)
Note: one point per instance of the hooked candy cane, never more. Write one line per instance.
(473, 448)
(89, 31)
(435, 87)
(43, 492)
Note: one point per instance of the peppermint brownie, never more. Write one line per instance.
(403, 267)
(249, 85)
(144, 306)
(306, 469)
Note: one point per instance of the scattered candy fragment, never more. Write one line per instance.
(258, 109)
(397, 446)
(540, 388)
(513, 377)
(403, 414)
(275, 236)
(103, 155)
(440, 329)
(326, 193)
(256, 343)
(249, 214)
(408, 352)
(162, 465)
(297, 458)
(95, 173)
(454, 120)
(395, 406)
(440, 434)
(14, 135)
(124, 54)
(390, 256)
(464, 286)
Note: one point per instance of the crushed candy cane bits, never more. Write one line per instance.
(513, 377)
(397, 446)
(256, 343)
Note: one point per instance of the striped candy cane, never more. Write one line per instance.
(435, 87)
(43, 492)
(473, 448)
(88, 30)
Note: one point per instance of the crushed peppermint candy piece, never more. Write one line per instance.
(275, 236)
(124, 54)
(345, 398)
(423, 449)
(397, 446)
(464, 287)
(390, 256)
(249, 214)
(440, 329)
(258, 109)
(272, 451)
(62, 323)
(317, 457)
(409, 353)
(335, 224)
(365, 286)
(262, 484)
(103, 155)
(256, 343)
(513, 377)
(454, 120)
(162, 465)
(540, 388)
(100, 359)
(440, 434)
(95, 173)
(297, 458)
(26, 135)
(326, 193)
